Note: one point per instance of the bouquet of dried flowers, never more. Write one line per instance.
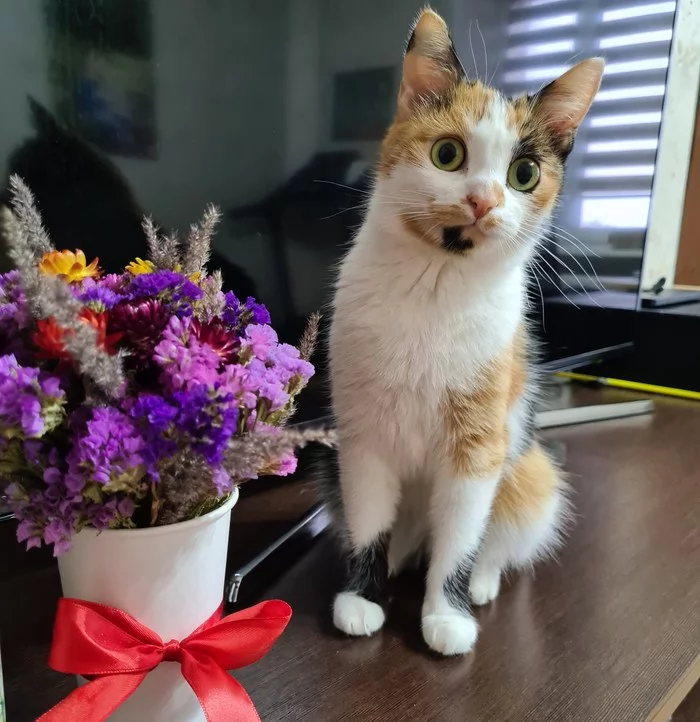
(134, 399)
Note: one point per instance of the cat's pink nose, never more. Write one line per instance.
(481, 205)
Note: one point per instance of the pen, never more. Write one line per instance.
(631, 385)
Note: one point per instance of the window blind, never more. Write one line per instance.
(611, 170)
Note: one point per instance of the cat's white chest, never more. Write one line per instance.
(397, 350)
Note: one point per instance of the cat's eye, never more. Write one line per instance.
(448, 154)
(523, 174)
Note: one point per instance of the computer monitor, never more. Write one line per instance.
(274, 111)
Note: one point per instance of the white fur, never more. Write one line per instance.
(449, 633)
(507, 545)
(356, 616)
(411, 322)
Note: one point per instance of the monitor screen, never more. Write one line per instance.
(274, 112)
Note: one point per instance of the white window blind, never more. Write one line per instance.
(611, 170)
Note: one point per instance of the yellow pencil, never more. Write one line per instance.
(631, 385)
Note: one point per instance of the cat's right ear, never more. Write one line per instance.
(430, 65)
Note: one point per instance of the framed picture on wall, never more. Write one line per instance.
(101, 72)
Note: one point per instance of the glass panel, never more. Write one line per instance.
(275, 111)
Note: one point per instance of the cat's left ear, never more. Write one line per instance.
(430, 65)
(562, 105)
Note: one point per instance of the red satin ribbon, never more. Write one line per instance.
(117, 652)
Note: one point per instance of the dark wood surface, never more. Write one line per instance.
(609, 633)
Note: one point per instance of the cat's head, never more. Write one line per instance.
(466, 169)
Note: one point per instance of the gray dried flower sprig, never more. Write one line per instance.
(49, 297)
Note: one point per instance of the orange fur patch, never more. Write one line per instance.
(519, 370)
(526, 488)
(476, 422)
(409, 140)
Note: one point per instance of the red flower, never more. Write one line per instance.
(141, 323)
(218, 336)
(49, 337)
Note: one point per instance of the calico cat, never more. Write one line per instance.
(431, 383)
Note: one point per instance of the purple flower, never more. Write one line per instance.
(99, 298)
(206, 422)
(236, 314)
(155, 411)
(31, 401)
(269, 385)
(260, 339)
(47, 516)
(258, 313)
(222, 481)
(289, 364)
(186, 361)
(168, 286)
(108, 452)
(286, 465)
(14, 314)
(116, 282)
(232, 309)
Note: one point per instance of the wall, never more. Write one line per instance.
(303, 77)
(220, 125)
(24, 65)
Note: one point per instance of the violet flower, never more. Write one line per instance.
(31, 401)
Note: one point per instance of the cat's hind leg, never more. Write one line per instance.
(529, 515)
(371, 491)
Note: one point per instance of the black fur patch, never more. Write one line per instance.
(368, 571)
(456, 588)
(452, 240)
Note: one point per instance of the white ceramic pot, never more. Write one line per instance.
(169, 578)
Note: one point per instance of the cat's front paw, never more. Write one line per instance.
(484, 585)
(450, 634)
(356, 615)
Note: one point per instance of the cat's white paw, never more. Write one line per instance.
(450, 634)
(484, 585)
(357, 616)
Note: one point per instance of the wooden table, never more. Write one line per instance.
(610, 633)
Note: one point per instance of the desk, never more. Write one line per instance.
(611, 633)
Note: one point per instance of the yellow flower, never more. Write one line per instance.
(139, 266)
(69, 266)
(194, 277)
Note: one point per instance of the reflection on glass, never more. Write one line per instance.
(275, 114)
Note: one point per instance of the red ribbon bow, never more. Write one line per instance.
(117, 652)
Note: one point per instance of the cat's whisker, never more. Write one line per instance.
(471, 47)
(342, 185)
(539, 286)
(574, 238)
(584, 250)
(595, 280)
(341, 211)
(544, 272)
(574, 275)
(495, 72)
(486, 57)
(549, 237)
(563, 280)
